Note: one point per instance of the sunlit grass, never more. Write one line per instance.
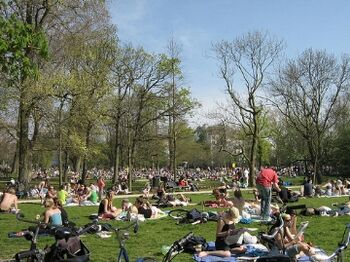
(325, 232)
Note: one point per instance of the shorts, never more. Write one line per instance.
(292, 251)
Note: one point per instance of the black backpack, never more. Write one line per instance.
(193, 241)
(194, 215)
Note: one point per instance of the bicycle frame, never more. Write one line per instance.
(122, 236)
(338, 254)
(123, 254)
(40, 255)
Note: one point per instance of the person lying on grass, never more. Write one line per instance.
(178, 200)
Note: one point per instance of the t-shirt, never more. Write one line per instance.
(308, 189)
(266, 177)
(93, 197)
(61, 196)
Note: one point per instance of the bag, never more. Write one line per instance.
(193, 242)
(308, 211)
(194, 215)
(71, 250)
(235, 238)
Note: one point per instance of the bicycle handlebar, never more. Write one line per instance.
(277, 229)
(29, 254)
(340, 249)
(20, 217)
(183, 240)
(57, 231)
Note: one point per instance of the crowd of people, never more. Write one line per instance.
(227, 195)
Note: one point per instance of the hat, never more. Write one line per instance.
(233, 214)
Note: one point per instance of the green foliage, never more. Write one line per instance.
(19, 43)
(341, 152)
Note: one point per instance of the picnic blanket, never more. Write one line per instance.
(254, 251)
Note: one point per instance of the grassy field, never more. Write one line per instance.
(325, 232)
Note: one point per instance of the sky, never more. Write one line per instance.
(197, 24)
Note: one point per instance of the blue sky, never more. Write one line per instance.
(196, 24)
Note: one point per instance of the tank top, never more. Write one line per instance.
(56, 219)
(225, 228)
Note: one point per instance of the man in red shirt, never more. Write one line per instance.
(266, 179)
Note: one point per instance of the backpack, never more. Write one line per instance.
(194, 215)
(193, 241)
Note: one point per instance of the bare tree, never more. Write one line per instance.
(250, 56)
(306, 92)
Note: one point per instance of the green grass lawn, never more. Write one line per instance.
(325, 232)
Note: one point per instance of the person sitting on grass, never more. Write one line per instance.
(146, 209)
(238, 200)
(225, 227)
(125, 205)
(93, 196)
(220, 200)
(293, 245)
(51, 193)
(106, 210)
(8, 201)
(62, 195)
(52, 213)
(146, 190)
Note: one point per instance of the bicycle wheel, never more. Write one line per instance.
(178, 214)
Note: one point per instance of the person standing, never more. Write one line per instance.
(245, 178)
(101, 185)
(266, 179)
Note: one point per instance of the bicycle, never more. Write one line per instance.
(276, 254)
(67, 247)
(338, 254)
(122, 235)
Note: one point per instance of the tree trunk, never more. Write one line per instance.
(23, 148)
(60, 166)
(87, 143)
(65, 166)
(14, 166)
(77, 162)
(116, 153)
(252, 162)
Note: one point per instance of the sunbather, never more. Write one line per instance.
(225, 227)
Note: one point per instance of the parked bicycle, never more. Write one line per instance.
(67, 247)
(338, 254)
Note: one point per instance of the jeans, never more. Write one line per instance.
(265, 204)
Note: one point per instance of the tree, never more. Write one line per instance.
(251, 56)
(22, 45)
(306, 92)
